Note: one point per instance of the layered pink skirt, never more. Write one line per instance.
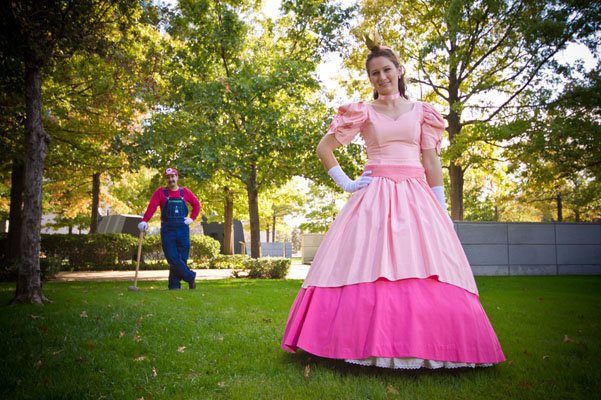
(391, 286)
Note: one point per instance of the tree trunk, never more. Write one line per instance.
(273, 229)
(17, 182)
(267, 233)
(253, 213)
(29, 284)
(559, 209)
(228, 222)
(456, 177)
(95, 202)
(455, 169)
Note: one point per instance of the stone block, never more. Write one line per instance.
(531, 233)
(482, 233)
(550, 269)
(486, 254)
(567, 233)
(490, 270)
(579, 269)
(578, 254)
(532, 254)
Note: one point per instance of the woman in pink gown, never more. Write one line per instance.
(390, 284)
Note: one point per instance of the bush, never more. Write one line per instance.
(94, 251)
(102, 251)
(203, 248)
(222, 261)
(268, 267)
(49, 267)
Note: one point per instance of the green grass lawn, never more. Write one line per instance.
(99, 341)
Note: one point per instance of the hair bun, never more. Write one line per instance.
(373, 40)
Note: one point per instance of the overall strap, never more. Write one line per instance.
(166, 193)
(181, 192)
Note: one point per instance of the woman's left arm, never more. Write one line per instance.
(431, 163)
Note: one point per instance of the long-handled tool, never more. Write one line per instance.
(135, 287)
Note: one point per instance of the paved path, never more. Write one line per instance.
(297, 271)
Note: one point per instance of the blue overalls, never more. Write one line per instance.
(175, 239)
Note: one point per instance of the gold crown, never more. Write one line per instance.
(372, 39)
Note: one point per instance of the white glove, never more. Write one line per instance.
(188, 221)
(439, 194)
(143, 226)
(345, 183)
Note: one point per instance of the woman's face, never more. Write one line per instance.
(384, 75)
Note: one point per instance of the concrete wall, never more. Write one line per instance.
(309, 244)
(515, 248)
(273, 249)
(120, 223)
(520, 248)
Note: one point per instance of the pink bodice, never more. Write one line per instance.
(390, 141)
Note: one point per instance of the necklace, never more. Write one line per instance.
(389, 96)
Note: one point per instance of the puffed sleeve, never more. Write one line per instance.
(432, 128)
(348, 122)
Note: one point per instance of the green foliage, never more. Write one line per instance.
(244, 97)
(321, 208)
(235, 261)
(268, 267)
(92, 251)
(475, 58)
(203, 248)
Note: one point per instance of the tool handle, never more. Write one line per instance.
(139, 255)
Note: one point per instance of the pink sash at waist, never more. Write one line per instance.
(397, 173)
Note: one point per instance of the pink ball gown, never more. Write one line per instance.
(390, 284)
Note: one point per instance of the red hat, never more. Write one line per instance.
(170, 171)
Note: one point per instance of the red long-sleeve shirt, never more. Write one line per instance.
(159, 199)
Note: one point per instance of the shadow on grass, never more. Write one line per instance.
(301, 359)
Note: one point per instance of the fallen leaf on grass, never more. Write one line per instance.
(525, 384)
(80, 359)
(84, 302)
(34, 316)
(148, 315)
(44, 329)
(392, 390)
(120, 294)
(179, 298)
(39, 364)
(83, 314)
(154, 371)
(307, 370)
(545, 357)
(57, 352)
(45, 381)
(181, 349)
(121, 333)
(266, 319)
(526, 352)
(136, 338)
(510, 363)
(138, 357)
(91, 344)
(221, 384)
(567, 339)
(116, 316)
(139, 320)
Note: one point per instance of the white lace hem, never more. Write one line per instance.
(413, 363)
